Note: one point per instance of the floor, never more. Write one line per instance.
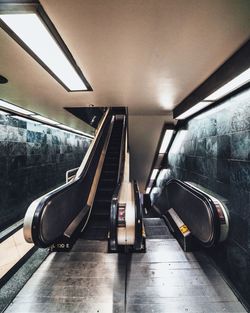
(164, 279)
(12, 250)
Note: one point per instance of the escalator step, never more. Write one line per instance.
(109, 174)
(107, 183)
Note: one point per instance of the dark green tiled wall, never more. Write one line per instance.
(33, 160)
(213, 150)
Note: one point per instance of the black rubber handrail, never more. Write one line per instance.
(76, 191)
(138, 245)
(211, 207)
(112, 243)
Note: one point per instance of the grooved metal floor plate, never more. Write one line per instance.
(87, 279)
(168, 280)
(163, 280)
(156, 229)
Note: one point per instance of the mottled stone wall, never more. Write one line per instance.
(33, 160)
(213, 150)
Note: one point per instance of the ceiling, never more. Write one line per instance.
(147, 55)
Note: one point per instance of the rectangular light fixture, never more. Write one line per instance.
(166, 140)
(197, 107)
(14, 108)
(70, 129)
(4, 113)
(24, 119)
(154, 174)
(232, 85)
(226, 89)
(148, 190)
(37, 39)
(31, 116)
(45, 119)
(66, 127)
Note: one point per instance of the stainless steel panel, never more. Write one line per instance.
(184, 307)
(165, 279)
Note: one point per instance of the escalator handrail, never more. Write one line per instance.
(138, 218)
(32, 227)
(114, 202)
(210, 205)
(122, 153)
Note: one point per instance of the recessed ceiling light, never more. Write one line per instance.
(234, 84)
(37, 39)
(14, 108)
(3, 80)
(197, 107)
(166, 140)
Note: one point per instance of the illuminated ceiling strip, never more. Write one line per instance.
(169, 131)
(234, 84)
(45, 48)
(226, 89)
(31, 116)
(148, 190)
(14, 108)
(75, 130)
(46, 120)
(166, 140)
(154, 174)
(196, 108)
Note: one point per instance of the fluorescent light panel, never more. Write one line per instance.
(166, 140)
(45, 119)
(25, 119)
(32, 31)
(62, 126)
(154, 174)
(4, 113)
(197, 107)
(234, 84)
(14, 108)
(148, 190)
(66, 127)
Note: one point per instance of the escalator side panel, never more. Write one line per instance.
(196, 211)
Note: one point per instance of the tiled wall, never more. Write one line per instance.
(33, 160)
(213, 150)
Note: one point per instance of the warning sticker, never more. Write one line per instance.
(183, 229)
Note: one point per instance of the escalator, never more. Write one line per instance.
(98, 224)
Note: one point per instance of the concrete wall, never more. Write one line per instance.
(144, 134)
(33, 160)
